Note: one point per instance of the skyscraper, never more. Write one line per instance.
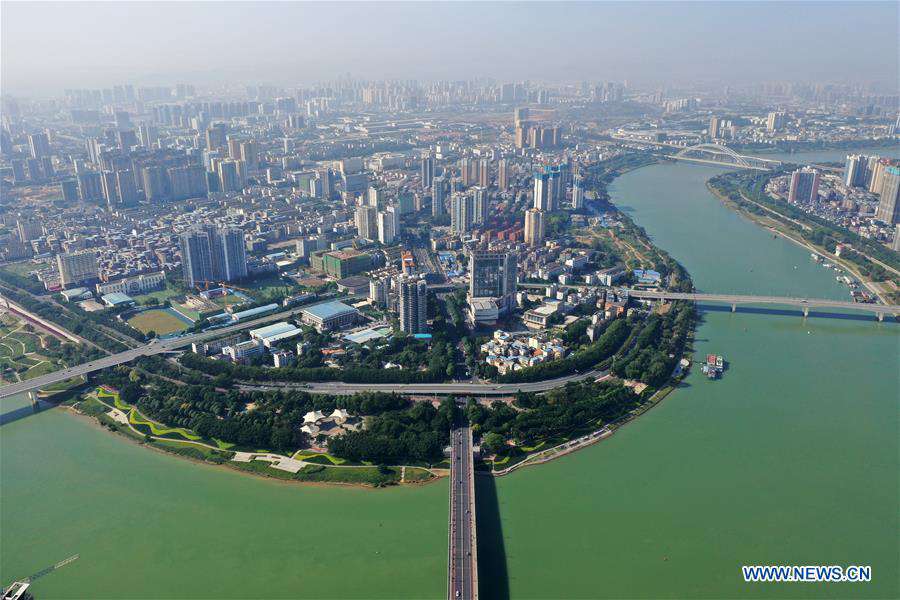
(366, 222)
(714, 132)
(437, 197)
(110, 189)
(234, 253)
(804, 186)
(216, 136)
(484, 172)
(89, 186)
(128, 194)
(577, 192)
(229, 176)
(541, 191)
(386, 229)
(775, 121)
(413, 304)
(855, 170)
(493, 275)
(503, 175)
(427, 169)
(461, 212)
(534, 227)
(209, 255)
(889, 205)
(556, 189)
(39, 144)
(196, 262)
(481, 208)
(466, 171)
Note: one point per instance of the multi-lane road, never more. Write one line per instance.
(462, 388)
(161, 346)
(735, 299)
(155, 347)
(462, 575)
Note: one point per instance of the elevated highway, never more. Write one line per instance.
(153, 348)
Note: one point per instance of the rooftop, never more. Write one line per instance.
(272, 330)
(328, 310)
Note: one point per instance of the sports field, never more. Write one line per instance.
(160, 320)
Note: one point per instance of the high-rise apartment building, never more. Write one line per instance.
(413, 304)
(855, 170)
(776, 121)
(39, 145)
(77, 268)
(437, 197)
(387, 229)
(234, 253)
(209, 255)
(427, 171)
(481, 208)
(534, 227)
(577, 192)
(542, 192)
(366, 220)
(196, 261)
(466, 171)
(125, 185)
(503, 175)
(804, 186)
(462, 212)
(484, 172)
(90, 187)
(889, 205)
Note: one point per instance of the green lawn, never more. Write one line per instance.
(415, 474)
(159, 320)
(136, 418)
(39, 369)
(30, 342)
(318, 457)
(167, 293)
(228, 300)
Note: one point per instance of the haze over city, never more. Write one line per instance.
(97, 44)
(514, 301)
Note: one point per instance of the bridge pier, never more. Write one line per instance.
(733, 307)
(880, 317)
(32, 397)
(805, 311)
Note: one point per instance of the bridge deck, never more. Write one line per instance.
(462, 565)
(877, 309)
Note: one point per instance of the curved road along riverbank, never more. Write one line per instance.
(484, 389)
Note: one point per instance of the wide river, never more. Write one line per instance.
(792, 458)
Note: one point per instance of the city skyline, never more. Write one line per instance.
(293, 43)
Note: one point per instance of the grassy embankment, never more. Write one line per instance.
(181, 441)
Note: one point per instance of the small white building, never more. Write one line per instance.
(313, 416)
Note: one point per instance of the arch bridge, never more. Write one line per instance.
(716, 154)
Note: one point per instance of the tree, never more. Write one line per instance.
(492, 443)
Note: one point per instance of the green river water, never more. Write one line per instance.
(791, 458)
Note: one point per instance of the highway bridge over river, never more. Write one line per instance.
(178, 343)
(879, 310)
(462, 563)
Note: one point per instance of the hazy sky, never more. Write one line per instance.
(50, 46)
